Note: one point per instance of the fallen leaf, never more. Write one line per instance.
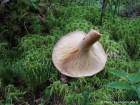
(64, 78)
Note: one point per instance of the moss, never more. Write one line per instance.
(77, 25)
(120, 40)
(126, 31)
(13, 94)
(57, 88)
(37, 61)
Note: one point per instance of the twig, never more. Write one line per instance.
(12, 19)
(131, 10)
(32, 95)
(26, 28)
(61, 103)
(118, 67)
(104, 3)
(46, 101)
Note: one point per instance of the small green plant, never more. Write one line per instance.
(133, 78)
(35, 4)
(74, 99)
(57, 88)
(6, 78)
(13, 94)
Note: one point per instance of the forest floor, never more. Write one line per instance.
(31, 98)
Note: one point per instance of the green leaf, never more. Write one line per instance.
(35, 6)
(138, 91)
(40, 4)
(33, 0)
(120, 85)
(134, 104)
(117, 72)
(134, 77)
(24, 92)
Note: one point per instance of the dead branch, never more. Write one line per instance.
(104, 4)
(4, 2)
(26, 28)
(131, 10)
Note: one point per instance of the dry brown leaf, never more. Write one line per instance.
(64, 78)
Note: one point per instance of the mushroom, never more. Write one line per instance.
(79, 55)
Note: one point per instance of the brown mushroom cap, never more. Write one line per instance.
(79, 55)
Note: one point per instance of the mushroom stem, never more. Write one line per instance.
(89, 40)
